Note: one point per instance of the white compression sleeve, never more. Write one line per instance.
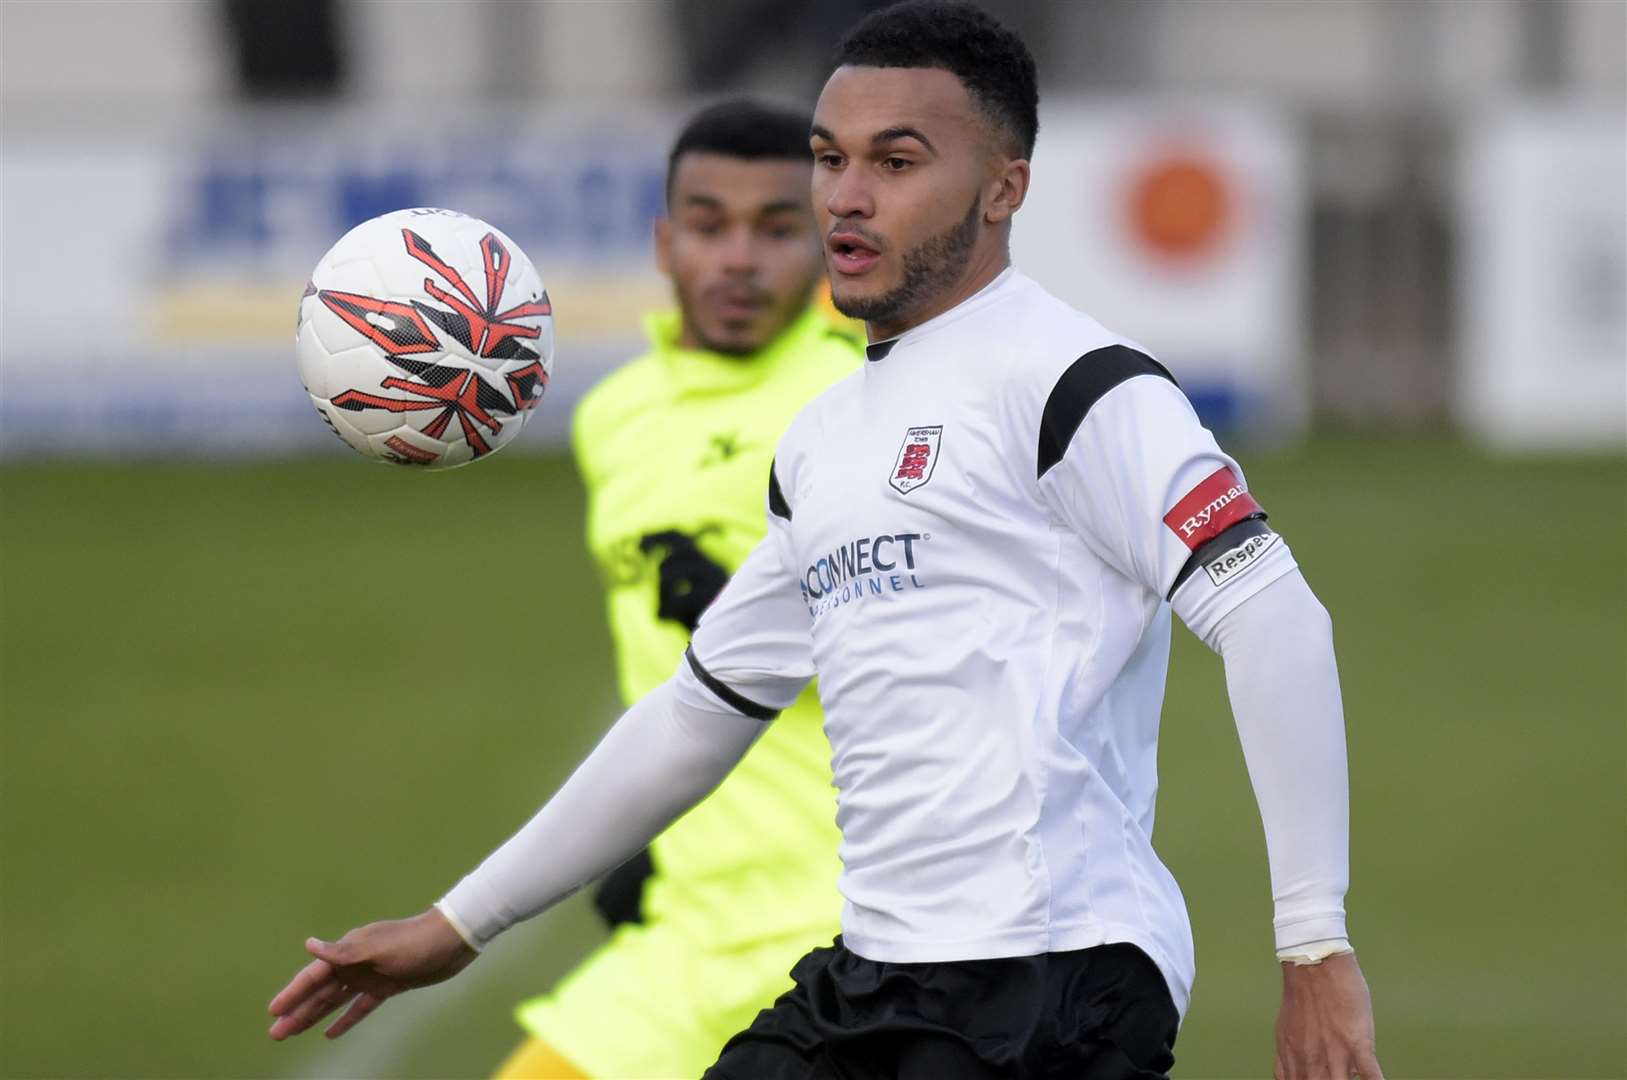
(1284, 688)
(663, 756)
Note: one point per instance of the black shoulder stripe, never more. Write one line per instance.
(776, 497)
(742, 705)
(1080, 387)
(1253, 525)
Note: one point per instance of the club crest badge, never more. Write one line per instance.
(916, 458)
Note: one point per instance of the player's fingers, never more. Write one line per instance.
(1367, 1066)
(310, 1012)
(337, 953)
(359, 1010)
(1290, 1063)
(311, 977)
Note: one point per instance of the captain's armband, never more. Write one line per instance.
(1231, 554)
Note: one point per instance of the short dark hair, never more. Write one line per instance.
(743, 128)
(990, 61)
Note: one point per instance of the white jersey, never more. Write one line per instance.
(975, 543)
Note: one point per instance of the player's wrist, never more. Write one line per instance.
(1308, 921)
(450, 917)
(1312, 953)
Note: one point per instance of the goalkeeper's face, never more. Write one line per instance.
(740, 248)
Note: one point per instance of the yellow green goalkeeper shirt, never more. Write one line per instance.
(683, 439)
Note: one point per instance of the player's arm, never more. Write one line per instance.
(688, 580)
(749, 659)
(1124, 460)
(1284, 688)
(687, 583)
(1241, 592)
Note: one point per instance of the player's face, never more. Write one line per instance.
(740, 248)
(903, 164)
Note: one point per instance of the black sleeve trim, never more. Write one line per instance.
(742, 705)
(1080, 387)
(1253, 525)
(776, 497)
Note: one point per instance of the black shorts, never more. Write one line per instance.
(1091, 1014)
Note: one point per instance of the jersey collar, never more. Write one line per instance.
(877, 351)
(702, 371)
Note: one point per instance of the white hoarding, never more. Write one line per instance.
(1543, 277)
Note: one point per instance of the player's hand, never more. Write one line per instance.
(1325, 1028)
(689, 580)
(365, 967)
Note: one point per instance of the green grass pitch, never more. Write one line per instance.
(245, 703)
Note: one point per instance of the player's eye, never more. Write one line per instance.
(708, 228)
(896, 164)
(829, 161)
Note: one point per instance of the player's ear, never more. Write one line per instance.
(663, 245)
(1006, 190)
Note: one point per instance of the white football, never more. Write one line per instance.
(425, 337)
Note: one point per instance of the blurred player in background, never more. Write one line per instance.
(674, 449)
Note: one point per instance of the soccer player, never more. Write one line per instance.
(673, 448)
(977, 544)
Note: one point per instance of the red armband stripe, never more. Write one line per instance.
(1215, 505)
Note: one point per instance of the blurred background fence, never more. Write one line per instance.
(1391, 214)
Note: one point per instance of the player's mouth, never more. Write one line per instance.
(738, 305)
(851, 254)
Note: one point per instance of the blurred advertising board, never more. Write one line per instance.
(151, 274)
(1181, 226)
(1542, 283)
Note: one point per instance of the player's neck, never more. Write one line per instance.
(982, 268)
(689, 340)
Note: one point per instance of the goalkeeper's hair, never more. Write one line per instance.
(990, 60)
(743, 128)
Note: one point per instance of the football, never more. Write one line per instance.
(425, 337)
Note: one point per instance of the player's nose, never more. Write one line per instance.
(849, 196)
(739, 252)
